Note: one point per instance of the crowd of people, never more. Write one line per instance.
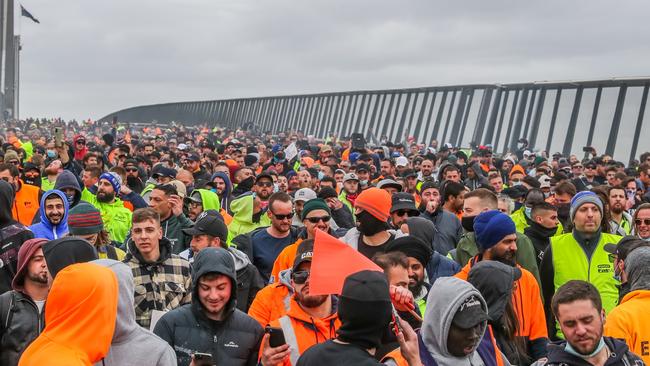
(193, 245)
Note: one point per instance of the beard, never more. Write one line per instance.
(310, 301)
(417, 288)
(41, 277)
(104, 197)
(55, 219)
(617, 208)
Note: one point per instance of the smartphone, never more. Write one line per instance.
(587, 149)
(276, 336)
(203, 359)
(58, 136)
(358, 141)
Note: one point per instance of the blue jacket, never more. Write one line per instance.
(45, 229)
(441, 266)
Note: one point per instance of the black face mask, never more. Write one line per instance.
(563, 211)
(543, 231)
(36, 181)
(369, 225)
(468, 223)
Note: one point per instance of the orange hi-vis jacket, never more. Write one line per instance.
(80, 318)
(273, 301)
(629, 321)
(26, 203)
(285, 259)
(527, 303)
(302, 331)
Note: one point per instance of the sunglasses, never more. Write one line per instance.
(410, 213)
(81, 142)
(611, 257)
(645, 222)
(14, 162)
(300, 277)
(282, 217)
(316, 220)
(264, 184)
(131, 169)
(590, 167)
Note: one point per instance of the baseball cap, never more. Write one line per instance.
(402, 161)
(165, 172)
(387, 183)
(304, 253)
(180, 188)
(350, 176)
(181, 147)
(544, 181)
(402, 201)
(193, 157)
(264, 175)
(470, 313)
(325, 148)
(195, 197)
(625, 246)
(363, 167)
(304, 195)
(210, 223)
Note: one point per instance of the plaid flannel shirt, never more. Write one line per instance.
(162, 286)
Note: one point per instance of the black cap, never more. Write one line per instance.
(515, 192)
(403, 201)
(625, 246)
(193, 157)
(470, 313)
(264, 175)
(362, 167)
(304, 253)
(165, 172)
(211, 223)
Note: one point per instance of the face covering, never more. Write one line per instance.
(528, 211)
(468, 223)
(363, 182)
(70, 198)
(517, 183)
(544, 231)
(321, 175)
(369, 225)
(51, 154)
(570, 350)
(547, 194)
(518, 205)
(563, 211)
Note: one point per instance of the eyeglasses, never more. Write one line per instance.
(264, 184)
(282, 217)
(590, 167)
(316, 220)
(300, 277)
(645, 222)
(131, 169)
(410, 213)
(14, 162)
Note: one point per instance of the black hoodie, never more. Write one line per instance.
(63, 252)
(620, 355)
(12, 235)
(235, 340)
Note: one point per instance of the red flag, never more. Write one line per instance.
(332, 262)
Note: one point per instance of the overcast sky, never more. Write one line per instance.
(89, 58)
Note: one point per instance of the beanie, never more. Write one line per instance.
(584, 197)
(376, 201)
(413, 247)
(65, 251)
(364, 309)
(314, 204)
(491, 227)
(11, 155)
(84, 219)
(114, 179)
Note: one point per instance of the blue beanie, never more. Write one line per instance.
(114, 179)
(584, 197)
(491, 227)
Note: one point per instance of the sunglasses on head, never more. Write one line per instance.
(316, 220)
(300, 277)
(282, 217)
(645, 222)
(264, 184)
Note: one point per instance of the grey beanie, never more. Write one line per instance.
(584, 197)
(637, 269)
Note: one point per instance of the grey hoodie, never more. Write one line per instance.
(132, 345)
(445, 297)
(638, 271)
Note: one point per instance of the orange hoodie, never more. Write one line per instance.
(285, 259)
(80, 318)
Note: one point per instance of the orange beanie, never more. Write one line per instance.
(376, 201)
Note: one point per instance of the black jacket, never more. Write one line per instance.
(620, 355)
(20, 324)
(235, 340)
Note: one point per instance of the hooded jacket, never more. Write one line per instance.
(446, 231)
(426, 230)
(242, 220)
(162, 285)
(20, 319)
(12, 235)
(479, 179)
(273, 301)
(129, 339)
(445, 298)
(173, 230)
(235, 340)
(63, 252)
(209, 199)
(621, 355)
(116, 217)
(80, 318)
(45, 229)
(67, 180)
(226, 196)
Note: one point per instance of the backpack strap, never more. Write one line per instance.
(111, 253)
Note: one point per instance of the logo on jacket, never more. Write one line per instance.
(231, 344)
(604, 268)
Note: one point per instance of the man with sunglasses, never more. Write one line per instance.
(310, 320)
(587, 180)
(642, 221)
(264, 188)
(403, 207)
(618, 254)
(26, 200)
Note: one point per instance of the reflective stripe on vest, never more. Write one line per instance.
(290, 338)
(287, 301)
(570, 263)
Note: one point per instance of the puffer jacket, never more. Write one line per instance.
(233, 341)
(20, 324)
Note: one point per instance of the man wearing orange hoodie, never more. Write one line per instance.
(80, 318)
(310, 320)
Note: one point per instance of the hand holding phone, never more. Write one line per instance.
(202, 359)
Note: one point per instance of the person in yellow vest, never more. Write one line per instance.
(580, 255)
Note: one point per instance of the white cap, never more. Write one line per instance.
(402, 161)
(544, 181)
(181, 147)
(304, 194)
(350, 176)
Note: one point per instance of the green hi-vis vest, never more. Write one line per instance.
(570, 262)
